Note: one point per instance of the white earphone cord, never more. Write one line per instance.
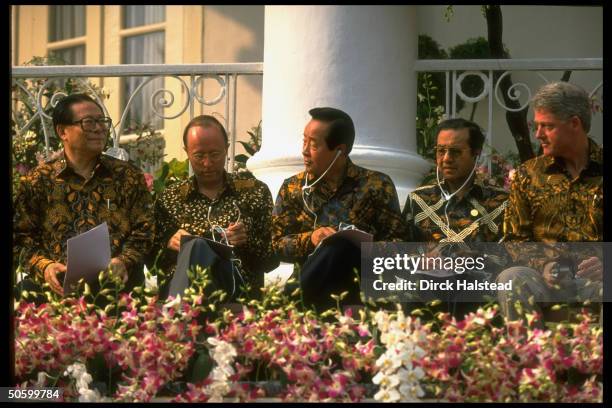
(447, 196)
(306, 186)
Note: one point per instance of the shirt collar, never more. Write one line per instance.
(594, 165)
(190, 188)
(476, 188)
(351, 172)
(61, 167)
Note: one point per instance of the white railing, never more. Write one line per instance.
(520, 92)
(190, 77)
(227, 75)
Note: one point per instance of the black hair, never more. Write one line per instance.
(476, 139)
(204, 121)
(62, 112)
(341, 127)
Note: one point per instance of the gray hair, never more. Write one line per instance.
(564, 100)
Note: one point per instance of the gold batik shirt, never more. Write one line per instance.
(364, 198)
(244, 198)
(476, 216)
(548, 205)
(53, 203)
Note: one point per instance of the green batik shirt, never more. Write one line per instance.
(364, 198)
(475, 217)
(53, 203)
(244, 198)
(548, 205)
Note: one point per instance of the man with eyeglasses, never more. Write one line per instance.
(77, 191)
(461, 206)
(316, 203)
(231, 208)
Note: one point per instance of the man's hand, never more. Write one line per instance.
(552, 279)
(432, 253)
(50, 274)
(118, 269)
(319, 234)
(175, 242)
(591, 268)
(236, 234)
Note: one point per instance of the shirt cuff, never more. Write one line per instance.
(39, 264)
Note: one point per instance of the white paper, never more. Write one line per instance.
(88, 255)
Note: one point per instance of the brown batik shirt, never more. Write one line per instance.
(244, 198)
(364, 198)
(548, 205)
(53, 203)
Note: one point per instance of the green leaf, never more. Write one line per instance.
(250, 150)
(162, 173)
(201, 368)
(241, 158)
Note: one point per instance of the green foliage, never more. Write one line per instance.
(251, 147)
(170, 172)
(429, 114)
(147, 150)
(431, 87)
(430, 97)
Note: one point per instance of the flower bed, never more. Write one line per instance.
(137, 349)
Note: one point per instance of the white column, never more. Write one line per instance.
(356, 58)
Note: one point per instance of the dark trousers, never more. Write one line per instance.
(330, 270)
(221, 271)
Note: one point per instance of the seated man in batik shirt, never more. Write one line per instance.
(234, 209)
(314, 204)
(556, 198)
(461, 207)
(77, 191)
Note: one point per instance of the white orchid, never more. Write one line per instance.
(387, 362)
(397, 376)
(411, 392)
(385, 380)
(387, 395)
(223, 353)
(78, 371)
(150, 280)
(41, 379)
(174, 303)
(87, 395)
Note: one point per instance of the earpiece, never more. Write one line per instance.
(307, 186)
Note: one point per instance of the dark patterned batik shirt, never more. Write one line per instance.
(243, 198)
(476, 216)
(365, 198)
(53, 203)
(548, 205)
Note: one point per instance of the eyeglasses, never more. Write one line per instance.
(90, 124)
(452, 151)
